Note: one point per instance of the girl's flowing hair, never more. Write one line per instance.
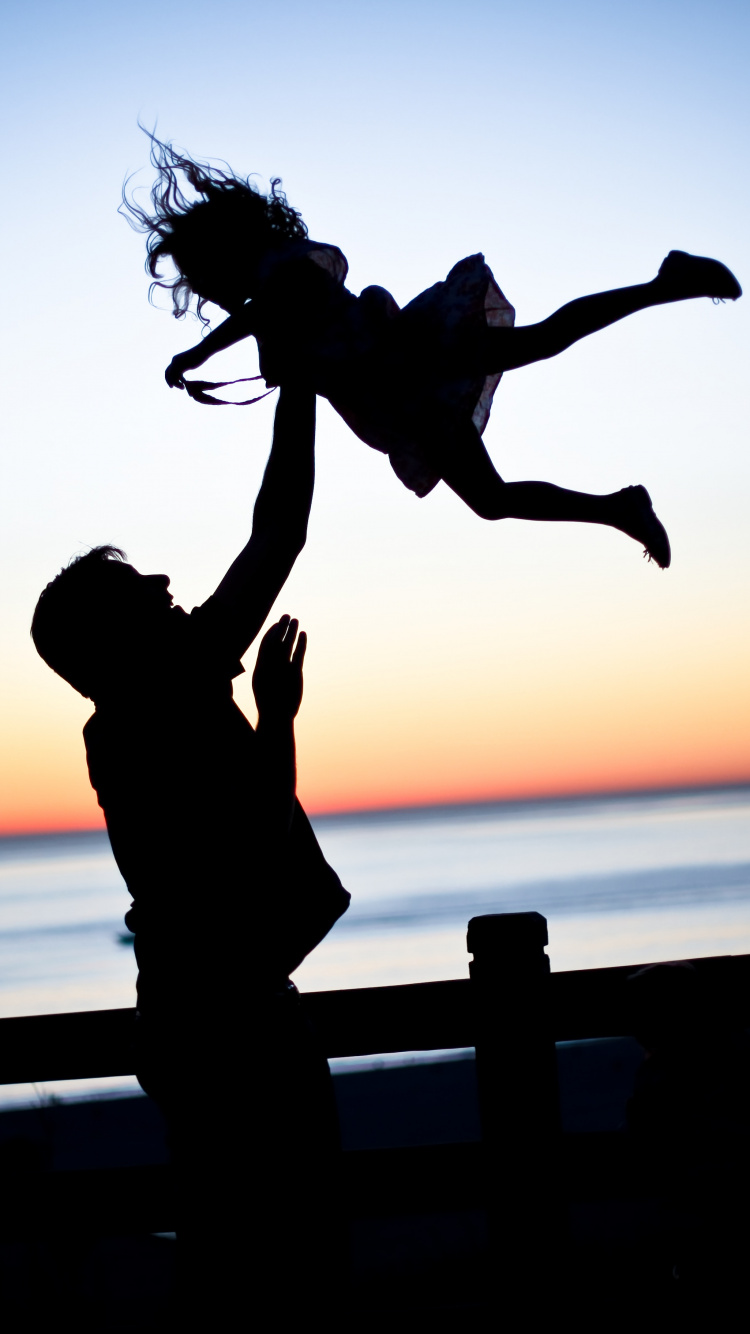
(184, 229)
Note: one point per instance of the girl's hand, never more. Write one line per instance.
(277, 679)
(184, 361)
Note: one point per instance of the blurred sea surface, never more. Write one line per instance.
(626, 879)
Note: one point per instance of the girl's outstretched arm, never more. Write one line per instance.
(232, 330)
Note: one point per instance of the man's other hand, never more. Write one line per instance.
(277, 679)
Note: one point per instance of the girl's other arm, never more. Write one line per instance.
(230, 331)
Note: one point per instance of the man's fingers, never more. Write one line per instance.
(298, 657)
(272, 640)
(290, 634)
(282, 635)
(277, 631)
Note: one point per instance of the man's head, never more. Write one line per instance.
(97, 616)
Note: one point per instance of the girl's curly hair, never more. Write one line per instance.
(183, 230)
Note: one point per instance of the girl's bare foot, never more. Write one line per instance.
(636, 518)
(682, 276)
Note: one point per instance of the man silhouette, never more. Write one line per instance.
(230, 889)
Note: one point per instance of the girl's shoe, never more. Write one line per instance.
(686, 275)
(643, 525)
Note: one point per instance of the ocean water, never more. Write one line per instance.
(622, 880)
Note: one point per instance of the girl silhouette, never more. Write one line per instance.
(417, 383)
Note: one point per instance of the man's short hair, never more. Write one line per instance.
(67, 623)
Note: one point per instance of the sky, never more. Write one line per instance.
(450, 659)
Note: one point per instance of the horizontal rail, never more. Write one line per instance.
(360, 1022)
(422, 1016)
(86, 1045)
(363, 1021)
(600, 1003)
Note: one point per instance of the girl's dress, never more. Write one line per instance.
(395, 376)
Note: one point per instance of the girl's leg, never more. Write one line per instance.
(466, 466)
(680, 278)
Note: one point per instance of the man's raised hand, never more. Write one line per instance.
(277, 679)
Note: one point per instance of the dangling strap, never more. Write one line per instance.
(197, 389)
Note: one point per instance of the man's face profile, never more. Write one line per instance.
(136, 598)
(128, 615)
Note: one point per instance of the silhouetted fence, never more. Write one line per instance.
(511, 1009)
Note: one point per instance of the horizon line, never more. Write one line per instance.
(466, 803)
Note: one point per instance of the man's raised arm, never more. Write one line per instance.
(253, 582)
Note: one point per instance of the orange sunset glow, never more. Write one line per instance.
(604, 724)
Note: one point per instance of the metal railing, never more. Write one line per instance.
(511, 1009)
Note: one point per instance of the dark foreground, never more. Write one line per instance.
(413, 1189)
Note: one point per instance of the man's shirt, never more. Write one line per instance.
(221, 901)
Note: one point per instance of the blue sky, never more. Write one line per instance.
(574, 144)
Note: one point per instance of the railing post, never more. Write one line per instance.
(518, 1098)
